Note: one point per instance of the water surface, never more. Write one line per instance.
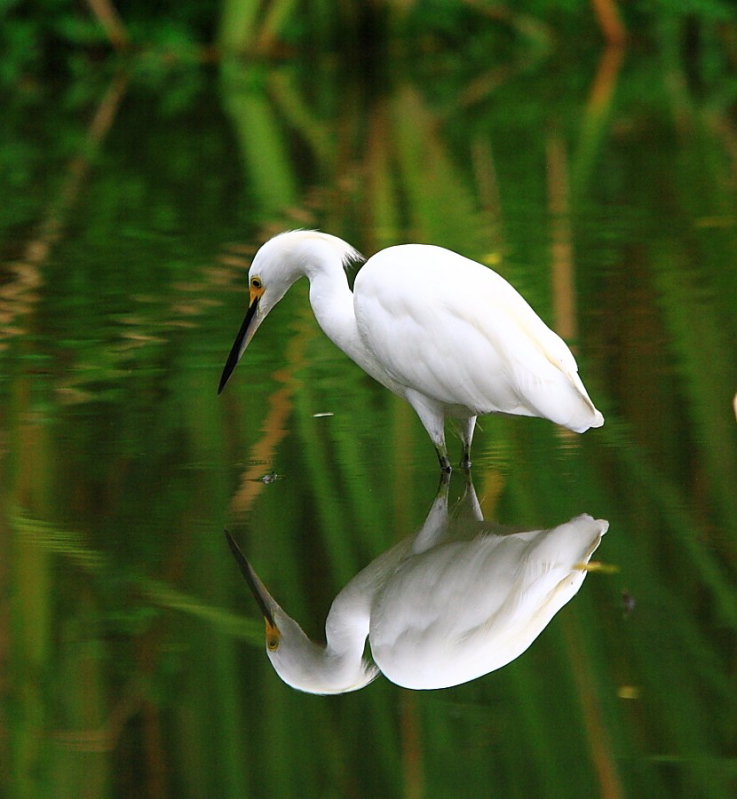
(133, 654)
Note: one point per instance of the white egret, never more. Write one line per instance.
(442, 607)
(448, 334)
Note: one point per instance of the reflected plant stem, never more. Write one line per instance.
(428, 175)
(31, 609)
(487, 183)
(105, 738)
(275, 424)
(155, 749)
(602, 754)
(381, 217)
(236, 26)
(78, 169)
(493, 482)
(610, 22)
(277, 11)
(479, 89)
(291, 103)
(538, 34)
(726, 132)
(265, 156)
(597, 111)
(54, 539)
(107, 15)
(563, 282)
(564, 294)
(18, 294)
(605, 81)
(411, 739)
(149, 648)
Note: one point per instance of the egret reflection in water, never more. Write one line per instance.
(453, 602)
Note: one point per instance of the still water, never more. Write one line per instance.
(133, 653)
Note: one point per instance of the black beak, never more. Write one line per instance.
(260, 594)
(240, 344)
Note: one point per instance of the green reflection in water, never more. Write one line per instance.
(133, 661)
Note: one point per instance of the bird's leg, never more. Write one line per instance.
(468, 504)
(467, 429)
(466, 459)
(435, 526)
(433, 420)
(445, 467)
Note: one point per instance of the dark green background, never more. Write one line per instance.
(136, 186)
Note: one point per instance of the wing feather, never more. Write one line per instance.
(459, 333)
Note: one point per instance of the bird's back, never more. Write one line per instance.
(465, 608)
(460, 334)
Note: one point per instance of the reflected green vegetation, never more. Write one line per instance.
(601, 184)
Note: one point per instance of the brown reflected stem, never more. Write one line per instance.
(274, 426)
(605, 81)
(18, 294)
(564, 295)
(107, 15)
(105, 738)
(600, 745)
(562, 258)
(610, 21)
(410, 728)
(487, 186)
(596, 112)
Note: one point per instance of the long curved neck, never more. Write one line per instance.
(337, 668)
(332, 304)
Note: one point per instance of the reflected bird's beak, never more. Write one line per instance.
(267, 604)
(249, 326)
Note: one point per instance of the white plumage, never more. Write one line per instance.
(448, 334)
(445, 606)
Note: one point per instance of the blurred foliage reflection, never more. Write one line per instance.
(602, 185)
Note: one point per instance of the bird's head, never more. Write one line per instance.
(299, 662)
(277, 265)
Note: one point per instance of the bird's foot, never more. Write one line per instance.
(444, 480)
(445, 467)
(466, 459)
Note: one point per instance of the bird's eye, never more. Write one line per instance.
(256, 283)
(272, 643)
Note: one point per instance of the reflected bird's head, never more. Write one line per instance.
(299, 662)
